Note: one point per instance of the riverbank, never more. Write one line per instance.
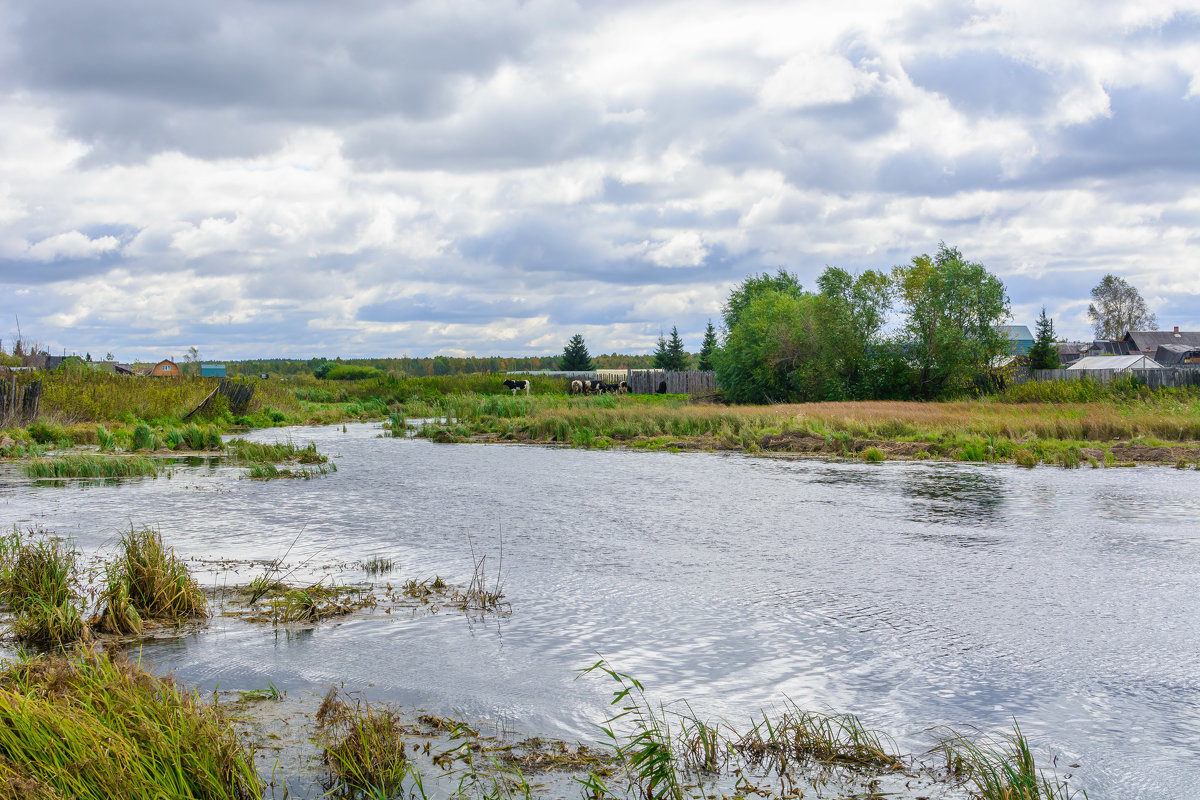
(1066, 423)
(1153, 430)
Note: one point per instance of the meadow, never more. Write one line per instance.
(1068, 423)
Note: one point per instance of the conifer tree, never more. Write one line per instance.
(575, 357)
(660, 352)
(708, 347)
(677, 357)
(1043, 354)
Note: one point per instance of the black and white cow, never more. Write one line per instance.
(576, 387)
(517, 386)
(623, 387)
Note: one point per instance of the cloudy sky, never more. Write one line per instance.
(299, 178)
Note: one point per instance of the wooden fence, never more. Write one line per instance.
(19, 403)
(1154, 378)
(648, 381)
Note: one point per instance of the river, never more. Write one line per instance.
(912, 594)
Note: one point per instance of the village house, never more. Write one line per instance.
(1146, 343)
(165, 369)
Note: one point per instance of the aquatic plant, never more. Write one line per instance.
(105, 440)
(87, 465)
(36, 583)
(149, 579)
(378, 565)
(93, 727)
(872, 455)
(1001, 767)
(361, 745)
(144, 438)
(798, 735)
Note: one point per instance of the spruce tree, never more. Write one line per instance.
(575, 357)
(708, 347)
(661, 355)
(1043, 354)
(677, 357)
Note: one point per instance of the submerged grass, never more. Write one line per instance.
(83, 465)
(92, 728)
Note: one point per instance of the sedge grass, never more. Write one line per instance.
(91, 727)
(1001, 767)
(37, 584)
(87, 465)
(148, 581)
(362, 746)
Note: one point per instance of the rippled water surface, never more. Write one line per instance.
(914, 595)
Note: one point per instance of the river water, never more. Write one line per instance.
(914, 595)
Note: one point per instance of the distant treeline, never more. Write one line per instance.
(424, 367)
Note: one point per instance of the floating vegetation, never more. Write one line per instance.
(85, 465)
(269, 599)
(147, 581)
(124, 733)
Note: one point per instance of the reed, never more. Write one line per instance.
(105, 440)
(242, 450)
(799, 735)
(378, 565)
(87, 465)
(150, 579)
(93, 727)
(144, 438)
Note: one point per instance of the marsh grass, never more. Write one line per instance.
(799, 735)
(147, 581)
(378, 565)
(243, 450)
(92, 727)
(37, 578)
(87, 465)
(267, 471)
(1001, 767)
(362, 747)
(105, 440)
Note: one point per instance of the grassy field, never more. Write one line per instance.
(1067, 423)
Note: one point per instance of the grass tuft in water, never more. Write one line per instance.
(36, 580)
(85, 465)
(378, 565)
(1001, 767)
(362, 746)
(92, 727)
(148, 579)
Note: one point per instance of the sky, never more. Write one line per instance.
(292, 178)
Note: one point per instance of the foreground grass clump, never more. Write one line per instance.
(148, 581)
(1001, 767)
(362, 746)
(83, 465)
(37, 584)
(90, 726)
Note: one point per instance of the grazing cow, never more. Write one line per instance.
(623, 387)
(576, 387)
(592, 387)
(662, 387)
(517, 386)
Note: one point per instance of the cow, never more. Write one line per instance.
(576, 387)
(517, 386)
(662, 387)
(623, 387)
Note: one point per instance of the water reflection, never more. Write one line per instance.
(972, 496)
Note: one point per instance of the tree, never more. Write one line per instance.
(954, 306)
(1043, 354)
(191, 361)
(770, 352)
(670, 354)
(853, 313)
(575, 357)
(1117, 308)
(708, 347)
(783, 282)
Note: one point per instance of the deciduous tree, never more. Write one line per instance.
(1117, 308)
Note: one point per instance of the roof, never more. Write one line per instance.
(1016, 332)
(1071, 348)
(1176, 353)
(1119, 363)
(1148, 341)
(1107, 347)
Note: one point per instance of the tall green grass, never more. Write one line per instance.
(93, 728)
(148, 581)
(362, 746)
(243, 450)
(85, 465)
(37, 582)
